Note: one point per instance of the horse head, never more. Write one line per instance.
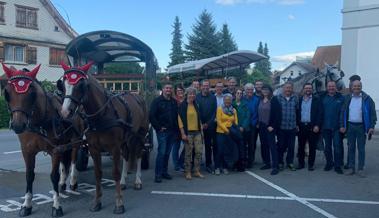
(74, 86)
(332, 73)
(22, 94)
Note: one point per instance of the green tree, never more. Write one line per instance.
(263, 66)
(123, 68)
(177, 54)
(204, 42)
(227, 41)
(256, 75)
(48, 86)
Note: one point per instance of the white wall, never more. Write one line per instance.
(360, 43)
(46, 35)
(295, 69)
(46, 24)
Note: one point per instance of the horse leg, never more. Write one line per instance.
(63, 177)
(26, 208)
(119, 207)
(96, 156)
(138, 182)
(124, 173)
(73, 171)
(54, 176)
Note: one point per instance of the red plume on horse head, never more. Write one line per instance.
(13, 72)
(83, 68)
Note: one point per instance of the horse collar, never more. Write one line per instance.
(73, 76)
(21, 83)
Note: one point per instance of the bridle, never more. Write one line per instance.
(30, 112)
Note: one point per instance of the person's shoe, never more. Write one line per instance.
(361, 174)
(209, 170)
(225, 171)
(311, 168)
(274, 172)
(198, 175)
(188, 176)
(328, 167)
(338, 170)
(167, 176)
(158, 179)
(301, 166)
(281, 167)
(177, 168)
(266, 167)
(217, 172)
(350, 172)
(291, 167)
(346, 167)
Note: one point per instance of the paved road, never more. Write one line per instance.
(250, 194)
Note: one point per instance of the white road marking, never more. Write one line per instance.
(205, 194)
(12, 152)
(289, 194)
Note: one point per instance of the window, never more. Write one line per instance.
(125, 86)
(2, 16)
(14, 53)
(57, 55)
(134, 87)
(26, 17)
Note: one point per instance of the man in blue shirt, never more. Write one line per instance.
(332, 103)
(250, 136)
(358, 117)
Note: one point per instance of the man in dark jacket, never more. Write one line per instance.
(207, 108)
(358, 117)
(164, 118)
(309, 122)
(332, 103)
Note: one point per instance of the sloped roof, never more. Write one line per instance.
(329, 54)
(235, 58)
(59, 19)
(307, 67)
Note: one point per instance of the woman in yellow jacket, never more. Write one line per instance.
(227, 150)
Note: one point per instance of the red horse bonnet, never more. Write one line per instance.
(20, 79)
(74, 74)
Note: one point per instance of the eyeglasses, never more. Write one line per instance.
(239, 93)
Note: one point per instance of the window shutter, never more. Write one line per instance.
(31, 55)
(2, 52)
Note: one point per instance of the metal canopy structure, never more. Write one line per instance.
(109, 46)
(233, 59)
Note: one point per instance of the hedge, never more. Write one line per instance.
(4, 114)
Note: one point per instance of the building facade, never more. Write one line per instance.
(33, 32)
(360, 43)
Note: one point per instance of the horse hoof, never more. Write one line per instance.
(74, 187)
(137, 186)
(119, 209)
(25, 211)
(123, 187)
(56, 212)
(96, 207)
(62, 188)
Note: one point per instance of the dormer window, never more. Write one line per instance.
(56, 28)
(2, 16)
(26, 17)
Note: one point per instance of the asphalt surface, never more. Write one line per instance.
(253, 193)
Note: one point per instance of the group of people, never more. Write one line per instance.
(228, 122)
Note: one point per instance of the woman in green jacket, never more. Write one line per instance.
(243, 114)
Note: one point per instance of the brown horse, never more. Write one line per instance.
(36, 120)
(111, 127)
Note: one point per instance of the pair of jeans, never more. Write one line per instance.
(356, 137)
(177, 155)
(227, 151)
(333, 147)
(236, 135)
(286, 141)
(268, 146)
(210, 146)
(166, 139)
(306, 134)
(251, 137)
